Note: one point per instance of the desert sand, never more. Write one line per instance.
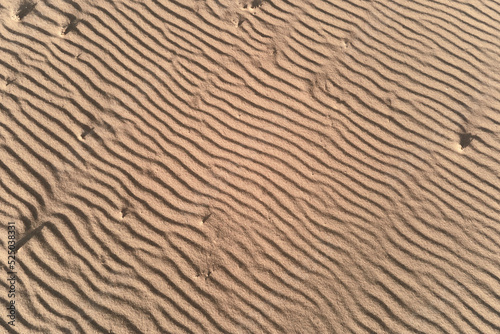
(250, 166)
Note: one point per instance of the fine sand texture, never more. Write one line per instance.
(251, 166)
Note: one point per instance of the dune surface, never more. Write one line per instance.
(251, 166)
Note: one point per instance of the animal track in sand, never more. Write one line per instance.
(466, 139)
(205, 218)
(69, 25)
(250, 4)
(88, 130)
(24, 8)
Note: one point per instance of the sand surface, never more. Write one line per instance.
(251, 166)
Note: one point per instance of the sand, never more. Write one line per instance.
(250, 166)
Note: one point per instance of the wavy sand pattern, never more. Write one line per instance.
(252, 166)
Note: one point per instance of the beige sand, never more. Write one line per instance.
(231, 166)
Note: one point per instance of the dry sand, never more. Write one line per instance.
(238, 166)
